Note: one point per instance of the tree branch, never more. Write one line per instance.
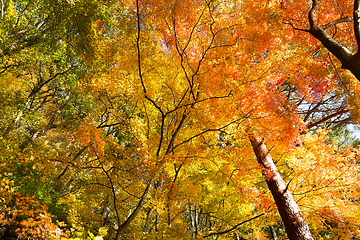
(340, 20)
(357, 21)
(233, 228)
(327, 118)
(311, 16)
(293, 27)
(205, 131)
(113, 192)
(342, 53)
(138, 45)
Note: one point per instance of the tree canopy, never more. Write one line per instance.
(181, 119)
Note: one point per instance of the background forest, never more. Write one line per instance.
(179, 119)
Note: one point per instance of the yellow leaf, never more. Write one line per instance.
(103, 231)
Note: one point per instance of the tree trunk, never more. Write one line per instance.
(295, 225)
(147, 227)
(133, 215)
(273, 233)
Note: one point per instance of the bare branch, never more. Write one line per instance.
(172, 140)
(138, 45)
(293, 27)
(233, 228)
(113, 192)
(206, 131)
(341, 123)
(327, 118)
(340, 20)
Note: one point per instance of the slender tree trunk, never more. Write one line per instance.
(12, 125)
(73, 178)
(295, 225)
(169, 215)
(196, 220)
(157, 222)
(58, 178)
(133, 215)
(147, 227)
(192, 220)
(273, 233)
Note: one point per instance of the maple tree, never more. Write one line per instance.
(150, 119)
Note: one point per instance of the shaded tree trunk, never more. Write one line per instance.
(295, 225)
(133, 215)
(147, 226)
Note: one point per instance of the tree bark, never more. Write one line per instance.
(273, 233)
(295, 225)
(348, 60)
